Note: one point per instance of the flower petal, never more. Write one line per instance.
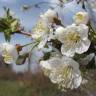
(68, 50)
(83, 46)
(51, 63)
(83, 31)
(70, 62)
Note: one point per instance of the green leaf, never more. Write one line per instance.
(7, 35)
(8, 24)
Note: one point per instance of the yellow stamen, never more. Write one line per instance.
(7, 57)
(80, 16)
(72, 37)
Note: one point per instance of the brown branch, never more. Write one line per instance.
(23, 33)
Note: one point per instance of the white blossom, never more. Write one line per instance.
(42, 32)
(63, 71)
(8, 52)
(49, 15)
(74, 39)
(40, 29)
(81, 18)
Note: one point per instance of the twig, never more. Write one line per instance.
(40, 3)
(23, 33)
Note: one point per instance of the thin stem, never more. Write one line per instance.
(30, 53)
(23, 33)
(34, 42)
(91, 27)
(27, 44)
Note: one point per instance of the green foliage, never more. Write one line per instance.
(8, 24)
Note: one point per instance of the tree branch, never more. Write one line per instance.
(23, 33)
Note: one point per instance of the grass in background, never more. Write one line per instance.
(39, 85)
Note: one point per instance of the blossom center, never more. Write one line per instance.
(7, 57)
(65, 75)
(80, 16)
(40, 27)
(72, 37)
(65, 71)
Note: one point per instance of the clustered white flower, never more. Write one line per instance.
(49, 16)
(62, 69)
(74, 39)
